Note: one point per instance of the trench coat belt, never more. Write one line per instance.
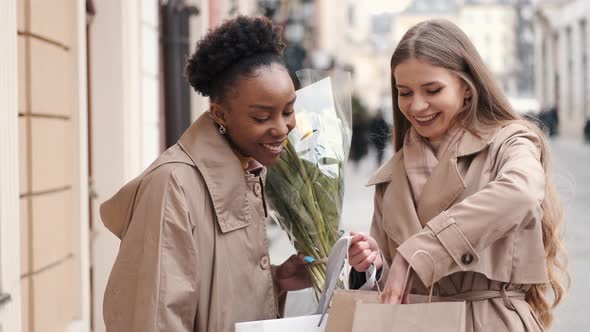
(506, 296)
(482, 295)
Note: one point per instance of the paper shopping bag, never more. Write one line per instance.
(431, 316)
(419, 317)
(293, 324)
(343, 307)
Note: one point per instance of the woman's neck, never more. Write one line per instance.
(435, 143)
(441, 141)
(244, 161)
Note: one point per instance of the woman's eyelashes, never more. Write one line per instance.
(263, 119)
(433, 92)
(409, 93)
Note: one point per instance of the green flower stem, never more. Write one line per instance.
(309, 204)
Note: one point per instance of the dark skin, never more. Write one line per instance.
(258, 114)
(292, 275)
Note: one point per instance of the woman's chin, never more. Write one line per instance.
(431, 133)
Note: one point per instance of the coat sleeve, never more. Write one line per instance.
(154, 283)
(507, 204)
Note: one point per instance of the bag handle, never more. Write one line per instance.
(407, 282)
(336, 260)
(370, 273)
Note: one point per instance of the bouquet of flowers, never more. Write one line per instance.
(306, 185)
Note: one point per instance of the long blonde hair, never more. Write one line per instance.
(441, 43)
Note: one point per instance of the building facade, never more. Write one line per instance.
(562, 72)
(491, 26)
(81, 89)
(363, 38)
(54, 278)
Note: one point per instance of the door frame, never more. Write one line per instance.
(116, 120)
(80, 189)
(10, 307)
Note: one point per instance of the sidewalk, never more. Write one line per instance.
(571, 160)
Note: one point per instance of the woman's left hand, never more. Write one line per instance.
(393, 292)
(293, 274)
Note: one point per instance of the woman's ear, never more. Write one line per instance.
(219, 113)
(467, 93)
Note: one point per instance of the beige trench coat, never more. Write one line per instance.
(479, 216)
(194, 251)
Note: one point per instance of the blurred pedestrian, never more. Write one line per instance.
(469, 185)
(549, 120)
(380, 133)
(194, 253)
(359, 145)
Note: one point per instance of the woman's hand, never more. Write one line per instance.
(293, 274)
(363, 252)
(393, 292)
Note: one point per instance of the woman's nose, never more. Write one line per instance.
(281, 128)
(418, 105)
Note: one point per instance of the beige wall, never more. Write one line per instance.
(47, 102)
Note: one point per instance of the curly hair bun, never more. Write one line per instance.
(235, 40)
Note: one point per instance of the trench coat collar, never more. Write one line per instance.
(471, 143)
(399, 212)
(442, 189)
(221, 170)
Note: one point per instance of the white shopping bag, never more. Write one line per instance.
(314, 323)
(293, 324)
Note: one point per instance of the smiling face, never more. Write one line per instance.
(430, 97)
(258, 113)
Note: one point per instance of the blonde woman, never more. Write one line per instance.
(468, 184)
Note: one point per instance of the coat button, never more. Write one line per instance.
(264, 263)
(257, 189)
(467, 259)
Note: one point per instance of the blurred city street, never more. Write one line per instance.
(95, 91)
(571, 160)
